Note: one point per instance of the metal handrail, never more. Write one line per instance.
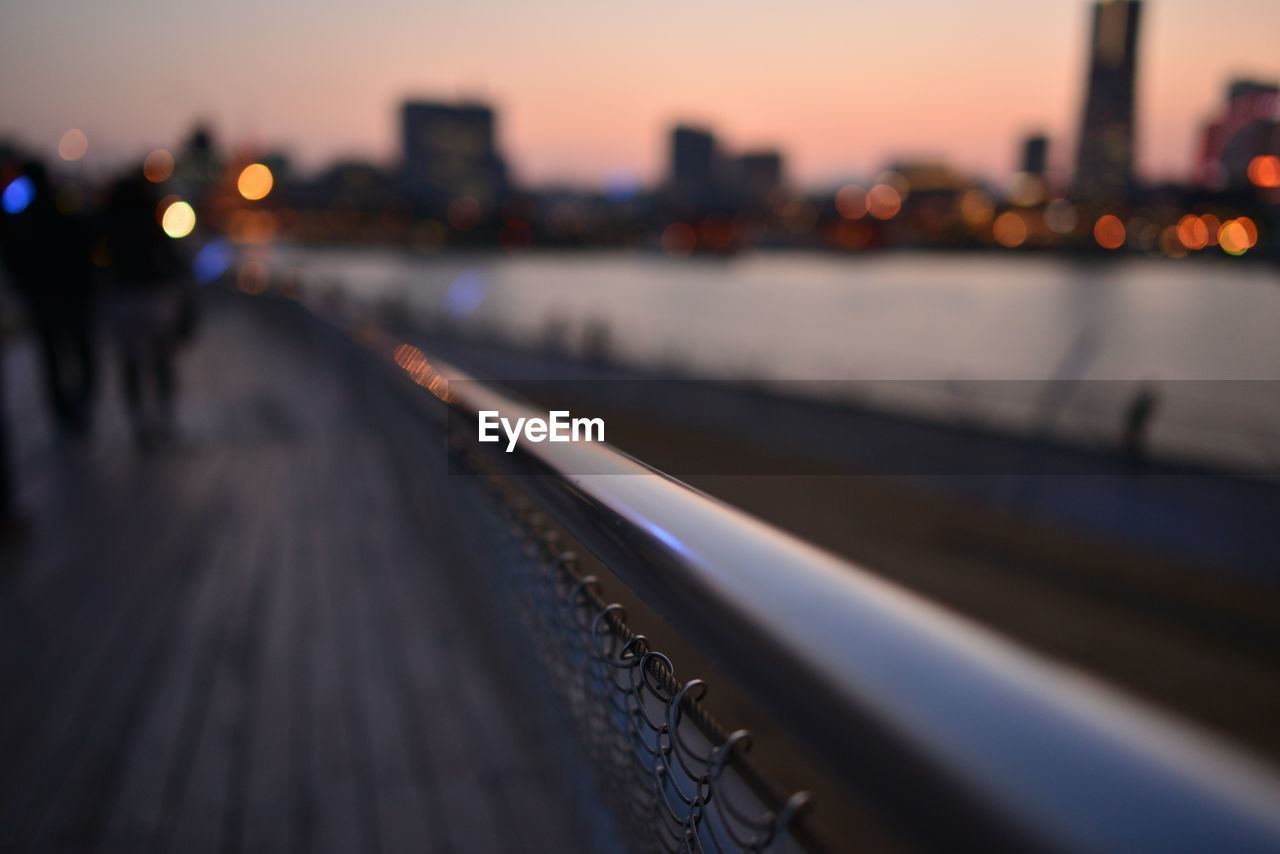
(964, 736)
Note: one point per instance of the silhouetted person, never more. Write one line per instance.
(1137, 422)
(146, 288)
(47, 255)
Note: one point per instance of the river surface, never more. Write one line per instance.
(932, 331)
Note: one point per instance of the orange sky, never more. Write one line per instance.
(586, 88)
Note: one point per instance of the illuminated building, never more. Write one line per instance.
(451, 158)
(1247, 128)
(1104, 158)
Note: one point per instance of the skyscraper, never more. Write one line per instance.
(1247, 126)
(694, 169)
(1104, 158)
(450, 154)
(756, 175)
(1035, 155)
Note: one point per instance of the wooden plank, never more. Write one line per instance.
(279, 659)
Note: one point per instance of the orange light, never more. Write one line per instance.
(1233, 238)
(1212, 226)
(1264, 171)
(1192, 232)
(1250, 229)
(884, 202)
(851, 201)
(158, 166)
(1109, 231)
(1010, 230)
(255, 182)
(976, 208)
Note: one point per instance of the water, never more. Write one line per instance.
(959, 321)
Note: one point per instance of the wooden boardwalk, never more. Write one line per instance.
(257, 640)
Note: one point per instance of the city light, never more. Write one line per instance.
(1026, 190)
(977, 208)
(1212, 226)
(158, 167)
(1237, 238)
(179, 220)
(1264, 171)
(1010, 230)
(1251, 229)
(18, 195)
(73, 145)
(851, 201)
(1193, 233)
(1061, 216)
(255, 182)
(884, 202)
(1109, 231)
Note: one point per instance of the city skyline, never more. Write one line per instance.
(550, 125)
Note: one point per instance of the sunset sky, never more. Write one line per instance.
(586, 88)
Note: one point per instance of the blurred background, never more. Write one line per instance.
(982, 296)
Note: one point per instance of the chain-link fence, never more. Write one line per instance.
(675, 779)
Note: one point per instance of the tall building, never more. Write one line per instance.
(450, 155)
(756, 175)
(695, 167)
(1104, 158)
(1035, 155)
(1247, 127)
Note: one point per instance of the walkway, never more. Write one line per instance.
(257, 640)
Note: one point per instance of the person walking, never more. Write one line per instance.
(46, 253)
(147, 289)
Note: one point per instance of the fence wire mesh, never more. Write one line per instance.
(676, 780)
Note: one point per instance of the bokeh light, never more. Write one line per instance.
(158, 167)
(1010, 230)
(1235, 238)
(1109, 231)
(1026, 189)
(1212, 226)
(255, 182)
(212, 261)
(179, 220)
(1171, 243)
(1264, 171)
(976, 208)
(1193, 233)
(896, 180)
(73, 145)
(851, 201)
(884, 201)
(1251, 229)
(1061, 216)
(18, 195)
